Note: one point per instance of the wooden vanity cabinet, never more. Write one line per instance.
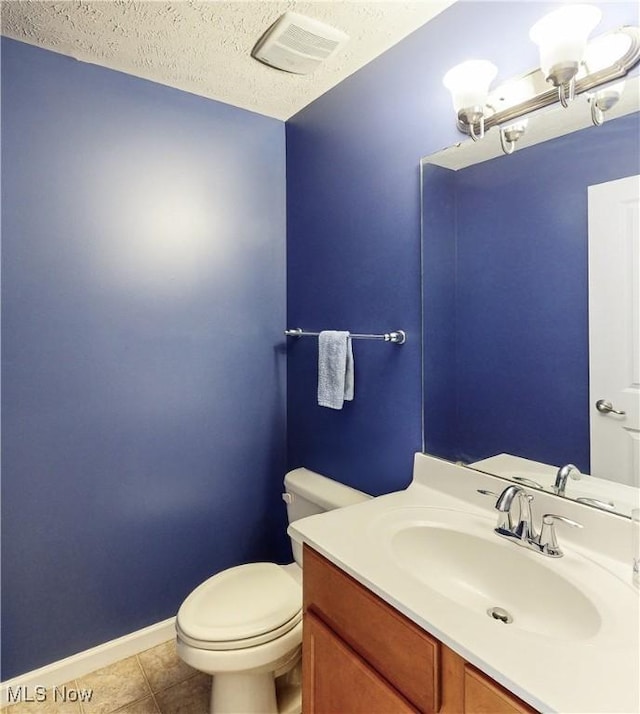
(361, 656)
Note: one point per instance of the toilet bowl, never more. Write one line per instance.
(243, 625)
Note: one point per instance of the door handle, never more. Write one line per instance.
(605, 407)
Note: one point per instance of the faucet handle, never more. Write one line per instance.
(605, 505)
(528, 482)
(484, 492)
(548, 541)
(549, 518)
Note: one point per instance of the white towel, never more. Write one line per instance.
(335, 369)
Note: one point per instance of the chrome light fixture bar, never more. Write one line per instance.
(508, 105)
(582, 84)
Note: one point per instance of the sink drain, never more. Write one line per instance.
(499, 613)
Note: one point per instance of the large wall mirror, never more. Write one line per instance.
(531, 291)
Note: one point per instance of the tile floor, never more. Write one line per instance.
(153, 682)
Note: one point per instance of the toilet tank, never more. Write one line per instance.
(308, 493)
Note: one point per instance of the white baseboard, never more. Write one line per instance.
(78, 665)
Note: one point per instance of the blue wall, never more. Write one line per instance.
(353, 229)
(521, 285)
(143, 301)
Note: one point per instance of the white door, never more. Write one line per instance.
(614, 329)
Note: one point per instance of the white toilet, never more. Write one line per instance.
(244, 625)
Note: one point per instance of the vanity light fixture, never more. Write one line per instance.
(561, 37)
(570, 62)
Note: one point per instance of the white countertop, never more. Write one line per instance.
(598, 672)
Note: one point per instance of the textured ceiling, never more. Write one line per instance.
(204, 47)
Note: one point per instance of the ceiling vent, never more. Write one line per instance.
(296, 43)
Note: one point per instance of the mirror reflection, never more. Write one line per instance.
(531, 306)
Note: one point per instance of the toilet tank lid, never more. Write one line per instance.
(323, 491)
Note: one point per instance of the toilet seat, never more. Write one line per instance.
(241, 607)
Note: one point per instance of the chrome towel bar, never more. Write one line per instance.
(398, 337)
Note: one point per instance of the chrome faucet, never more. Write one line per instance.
(524, 529)
(523, 532)
(563, 474)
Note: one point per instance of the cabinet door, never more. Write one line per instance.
(336, 680)
(403, 654)
(483, 696)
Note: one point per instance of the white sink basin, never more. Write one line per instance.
(459, 556)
